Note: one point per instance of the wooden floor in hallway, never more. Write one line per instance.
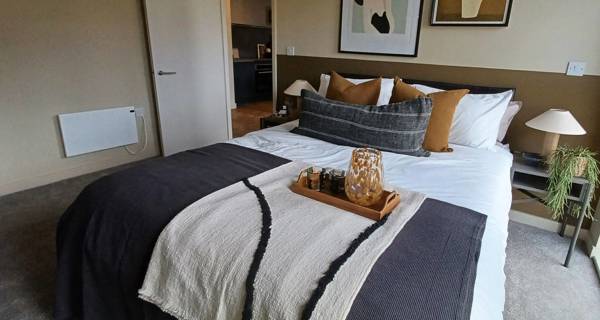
(246, 118)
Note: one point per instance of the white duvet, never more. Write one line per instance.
(477, 179)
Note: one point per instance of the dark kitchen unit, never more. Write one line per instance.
(252, 66)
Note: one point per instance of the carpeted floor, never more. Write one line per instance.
(537, 286)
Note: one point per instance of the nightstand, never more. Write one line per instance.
(273, 120)
(529, 179)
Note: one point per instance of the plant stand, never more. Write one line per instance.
(529, 179)
(584, 203)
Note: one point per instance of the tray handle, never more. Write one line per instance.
(391, 197)
(301, 174)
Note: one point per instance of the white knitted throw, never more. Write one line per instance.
(201, 259)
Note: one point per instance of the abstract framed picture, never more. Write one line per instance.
(383, 27)
(490, 13)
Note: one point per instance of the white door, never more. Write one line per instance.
(189, 68)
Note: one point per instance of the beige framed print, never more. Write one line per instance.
(384, 27)
(491, 13)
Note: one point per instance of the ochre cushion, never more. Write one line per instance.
(404, 92)
(366, 93)
(440, 122)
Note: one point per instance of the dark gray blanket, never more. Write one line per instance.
(105, 241)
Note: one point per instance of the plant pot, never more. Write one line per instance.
(581, 166)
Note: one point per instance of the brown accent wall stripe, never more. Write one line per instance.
(537, 90)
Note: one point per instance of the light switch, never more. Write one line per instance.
(576, 68)
(291, 51)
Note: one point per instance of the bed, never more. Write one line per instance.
(472, 178)
(104, 243)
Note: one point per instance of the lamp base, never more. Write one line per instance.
(294, 104)
(550, 144)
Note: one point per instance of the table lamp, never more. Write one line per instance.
(555, 122)
(295, 90)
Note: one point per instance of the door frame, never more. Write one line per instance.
(274, 51)
(226, 4)
(228, 57)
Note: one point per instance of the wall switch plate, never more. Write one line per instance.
(291, 51)
(139, 111)
(576, 68)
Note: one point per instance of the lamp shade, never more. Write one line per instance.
(559, 121)
(296, 88)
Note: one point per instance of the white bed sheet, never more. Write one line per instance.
(477, 179)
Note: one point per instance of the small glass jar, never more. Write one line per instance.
(338, 178)
(326, 179)
(314, 178)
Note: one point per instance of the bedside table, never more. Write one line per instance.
(528, 179)
(273, 120)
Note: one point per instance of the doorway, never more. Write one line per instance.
(252, 60)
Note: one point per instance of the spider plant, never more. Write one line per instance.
(563, 166)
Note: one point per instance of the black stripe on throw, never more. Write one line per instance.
(265, 234)
(328, 276)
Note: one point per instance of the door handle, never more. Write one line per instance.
(166, 73)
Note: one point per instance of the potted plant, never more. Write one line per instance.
(564, 164)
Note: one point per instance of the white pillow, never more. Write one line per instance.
(511, 111)
(426, 89)
(477, 118)
(385, 94)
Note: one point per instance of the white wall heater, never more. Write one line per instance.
(84, 132)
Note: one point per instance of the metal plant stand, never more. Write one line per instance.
(532, 179)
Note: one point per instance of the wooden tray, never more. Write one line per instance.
(377, 211)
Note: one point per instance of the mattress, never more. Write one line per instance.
(110, 230)
(477, 179)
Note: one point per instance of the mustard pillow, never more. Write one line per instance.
(341, 89)
(404, 92)
(440, 122)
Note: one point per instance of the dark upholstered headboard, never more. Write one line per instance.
(474, 89)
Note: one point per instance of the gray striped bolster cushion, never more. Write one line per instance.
(397, 127)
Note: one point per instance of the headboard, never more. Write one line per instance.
(474, 89)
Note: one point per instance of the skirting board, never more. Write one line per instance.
(596, 265)
(85, 168)
(545, 224)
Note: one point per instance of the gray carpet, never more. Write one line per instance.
(537, 286)
(27, 249)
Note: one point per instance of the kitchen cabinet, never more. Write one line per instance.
(252, 80)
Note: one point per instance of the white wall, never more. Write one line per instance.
(59, 57)
(543, 35)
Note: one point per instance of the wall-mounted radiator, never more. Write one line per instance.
(90, 131)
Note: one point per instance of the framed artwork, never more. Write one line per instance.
(491, 13)
(385, 27)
